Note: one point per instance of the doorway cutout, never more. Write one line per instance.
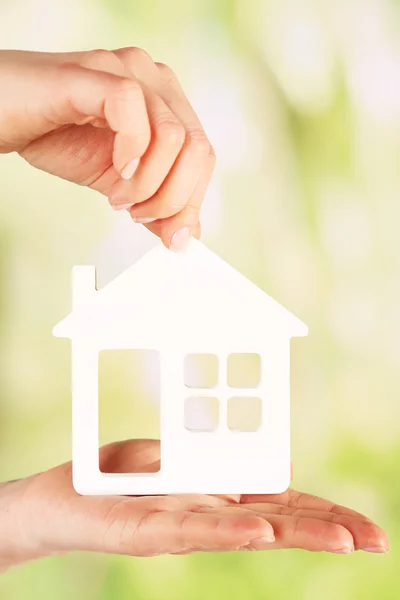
(129, 411)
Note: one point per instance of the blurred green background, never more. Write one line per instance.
(301, 100)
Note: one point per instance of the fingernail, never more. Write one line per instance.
(143, 219)
(261, 541)
(180, 239)
(129, 168)
(343, 551)
(377, 550)
(121, 206)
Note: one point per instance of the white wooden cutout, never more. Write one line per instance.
(180, 304)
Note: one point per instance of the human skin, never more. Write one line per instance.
(120, 124)
(116, 122)
(43, 516)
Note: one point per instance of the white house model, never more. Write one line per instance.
(183, 304)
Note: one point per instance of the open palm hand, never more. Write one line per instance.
(43, 515)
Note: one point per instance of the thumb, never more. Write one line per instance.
(71, 94)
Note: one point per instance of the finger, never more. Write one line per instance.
(174, 195)
(296, 499)
(187, 219)
(106, 61)
(297, 531)
(130, 456)
(366, 534)
(167, 138)
(178, 187)
(140, 64)
(82, 95)
(161, 79)
(167, 228)
(182, 181)
(169, 88)
(306, 533)
(168, 134)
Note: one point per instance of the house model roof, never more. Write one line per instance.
(174, 300)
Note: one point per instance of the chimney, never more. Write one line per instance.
(83, 285)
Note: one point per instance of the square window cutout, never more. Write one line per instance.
(201, 371)
(244, 370)
(201, 414)
(244, 414)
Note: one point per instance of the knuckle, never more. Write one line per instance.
(166, 72)
(198, 143)
(98, 58)
(171, 131)
(134, 55)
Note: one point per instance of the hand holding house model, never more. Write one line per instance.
(151, 307)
